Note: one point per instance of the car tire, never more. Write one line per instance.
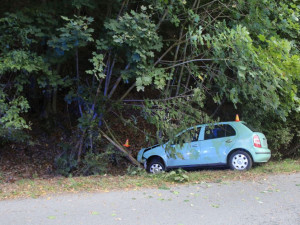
(240, 160)
(155, 165)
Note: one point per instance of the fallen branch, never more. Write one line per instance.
(121, 149)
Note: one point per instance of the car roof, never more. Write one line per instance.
(234, 123)
(217, 123)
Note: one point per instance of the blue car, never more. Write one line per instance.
(230, 144)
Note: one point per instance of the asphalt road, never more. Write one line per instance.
(268, 201)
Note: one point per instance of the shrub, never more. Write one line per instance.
(178, 176)
(66, 162)
(94, 164)
(135, 171)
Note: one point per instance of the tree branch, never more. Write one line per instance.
(121, 149)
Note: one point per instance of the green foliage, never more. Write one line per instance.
(66, 162)
(135, 171)
(78, 4)
(135, 31)
(75, 33)
(174, 9)
(98, 66)
(98, 163)
(172, 115)
(260, 73)
(270, 17)
(10, 113)
(283, 136)
(178, 176)
(86, 122)
(17, 30)
(136, 35)
(17, 60)
(265, 75)
(148, 75)
(94, 164)
(23, 64)
(18, 64)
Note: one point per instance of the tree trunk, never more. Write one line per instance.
(78, 81)
(181, 70)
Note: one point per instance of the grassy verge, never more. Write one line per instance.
(41, 187)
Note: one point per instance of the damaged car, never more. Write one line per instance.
(231, 144)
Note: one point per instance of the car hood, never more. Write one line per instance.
(149, 148)
(143, 150)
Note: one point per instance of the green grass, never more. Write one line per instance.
(33, 188)
(287, 165)
(1, 178)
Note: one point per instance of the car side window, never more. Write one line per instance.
(229, 130)
(218, 131)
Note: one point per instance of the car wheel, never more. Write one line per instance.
(240, 160)
(155, 166)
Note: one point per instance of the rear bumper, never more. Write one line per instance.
(261, 155)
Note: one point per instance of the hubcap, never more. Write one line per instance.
(240, 162)
(156, 168)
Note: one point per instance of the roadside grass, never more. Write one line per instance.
(34, 188)
(1, 178)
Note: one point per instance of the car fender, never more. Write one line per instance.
(159, 152)
(241, 149)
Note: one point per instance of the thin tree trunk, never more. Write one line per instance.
(54, 101)
(117, 83)
(181, 70)
(187, 82)
(107, 69)
(128, 91)
(54, 94)
(78, 81)
(218, 108)
(167, 51)
(162, 18)
(80, 145)
(175, 59)
(124, 4)
(108, 76)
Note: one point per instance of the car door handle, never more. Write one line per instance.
(194, 145)
(229, 141)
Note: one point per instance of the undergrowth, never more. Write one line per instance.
(138, 178)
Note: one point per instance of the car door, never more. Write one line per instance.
(216, 142)
(187, 153)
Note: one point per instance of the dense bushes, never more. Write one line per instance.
(92, 163)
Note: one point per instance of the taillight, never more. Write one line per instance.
(256, 141)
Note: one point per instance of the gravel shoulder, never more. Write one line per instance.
(271, 200)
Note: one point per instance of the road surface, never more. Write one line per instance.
(267, 201)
